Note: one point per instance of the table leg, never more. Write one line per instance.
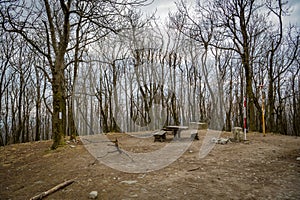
(175, 134)
(178, 133)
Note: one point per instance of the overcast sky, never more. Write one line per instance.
(165, 6)
(295, 7)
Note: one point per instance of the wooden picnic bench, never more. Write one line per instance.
(160, 136)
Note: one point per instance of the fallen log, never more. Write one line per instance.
(52, 190)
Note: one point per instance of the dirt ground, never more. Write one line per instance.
(261, 168)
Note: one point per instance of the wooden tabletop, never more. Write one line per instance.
(177, 127)
(198, 123)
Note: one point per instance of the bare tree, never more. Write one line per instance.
(201, 31)
(54, 22)
(276, 8)
(7, 51)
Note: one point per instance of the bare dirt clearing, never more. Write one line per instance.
(262, 168)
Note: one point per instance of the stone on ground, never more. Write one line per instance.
(93, 195)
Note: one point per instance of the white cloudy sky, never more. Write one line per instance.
(295, 8)
(165, 6)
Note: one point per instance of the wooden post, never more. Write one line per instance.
(245, 117)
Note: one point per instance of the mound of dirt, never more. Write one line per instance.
(261, 168)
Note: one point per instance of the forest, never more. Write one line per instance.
(80, 67)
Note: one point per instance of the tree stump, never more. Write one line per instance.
(237, 134)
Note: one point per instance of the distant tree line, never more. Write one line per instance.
(73, 67)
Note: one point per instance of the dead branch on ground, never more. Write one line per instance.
(52, 190)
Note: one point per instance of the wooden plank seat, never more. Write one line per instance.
(160, 136)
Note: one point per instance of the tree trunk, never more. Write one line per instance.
(38, 107)
(250, 97)
(271, 100)
(71, 123)
(59, 105)
(115, 127)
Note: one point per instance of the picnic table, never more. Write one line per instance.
(175, 130)
(161, 135)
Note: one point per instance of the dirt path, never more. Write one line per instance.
(262, 168)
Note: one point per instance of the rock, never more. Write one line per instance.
(134, 195)
(142, 176)
(72, 146)
(38, 182)
(129, 182)
(223, 141)
(220, 140)
(214, 140)
(144, 190)
(93, 195)
(298, 158)
(246, 142)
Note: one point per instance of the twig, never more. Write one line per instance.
(190, 170)
(94, 141)
(116, 144)
(93, 163)
(52, 190)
